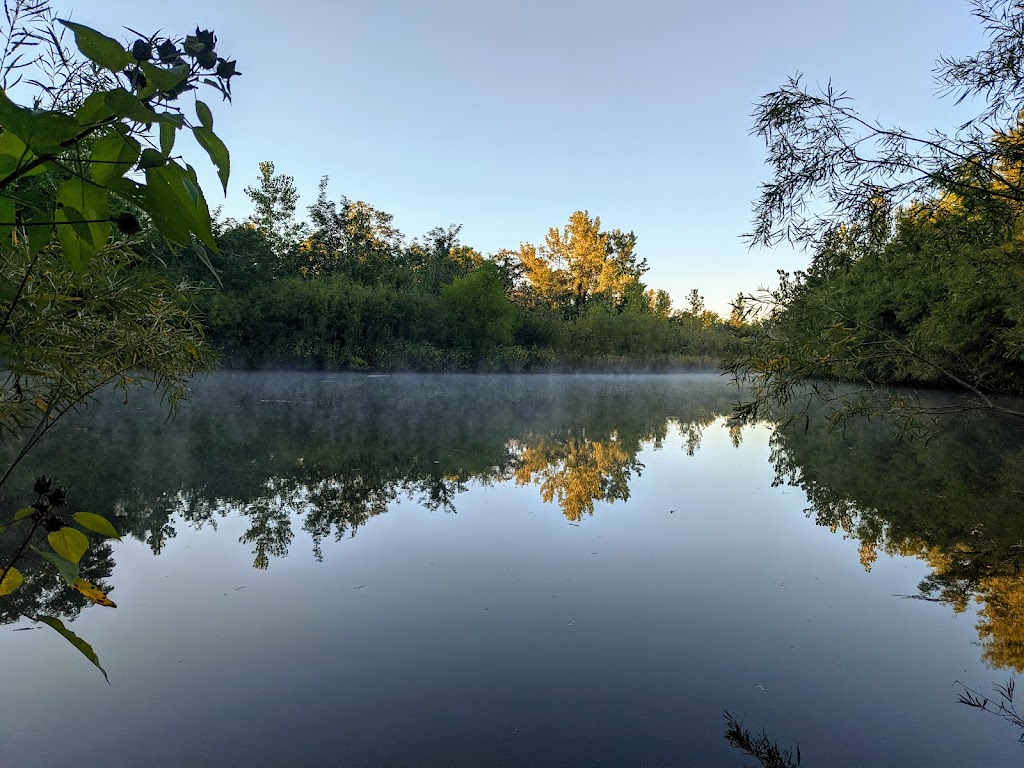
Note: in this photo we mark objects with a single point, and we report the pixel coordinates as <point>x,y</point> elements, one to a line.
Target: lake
<point>542,570</point>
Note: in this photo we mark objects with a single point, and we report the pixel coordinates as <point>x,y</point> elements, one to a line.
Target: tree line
<point>346,290</point>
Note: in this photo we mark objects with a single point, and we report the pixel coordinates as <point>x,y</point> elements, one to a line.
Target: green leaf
<point>8,210</point>
<point>199,251</point>
<point>69,543</point>
<point>127,189</point>
<point>217,151</point>
<point>204,114</point>
<point>42,131</point>
<point>71,222</point>
<point>75,640</point>
<point>103,50</point>
<point>78,250</point>
<point>127,106</point>
<point>11,581</point>
<point>171,118</point>
<point>151,159</point>
<point>13,152</point>
<point>163,79</point>
<point>96,523</point>
<point>113,156</point>
<point>69,571</point>
<point>167,135</point>
<point>48,131</point>
<point>164,207</point>
<point>177,206</point>
<point>24,512</point>
<point>92,203</point>
<point>203,229</point>
<point>94,109</point>
<point>40,230</point>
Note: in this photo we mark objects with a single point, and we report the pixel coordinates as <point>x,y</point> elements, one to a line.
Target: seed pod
<point>142,50</point>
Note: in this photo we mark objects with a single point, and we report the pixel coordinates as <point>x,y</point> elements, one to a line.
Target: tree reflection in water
<point>953,501</point>
<point>325,454</point>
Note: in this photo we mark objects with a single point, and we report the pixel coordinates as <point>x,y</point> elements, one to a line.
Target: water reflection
<point>954,501</point>
<point>44,592</point>
<point>329,454</point>
<point>326,455</point>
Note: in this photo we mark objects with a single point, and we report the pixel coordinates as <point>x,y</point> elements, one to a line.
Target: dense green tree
<point>349,237</point>
<point>273,216</point>
<point>480,315</point>
<point>915,241</point>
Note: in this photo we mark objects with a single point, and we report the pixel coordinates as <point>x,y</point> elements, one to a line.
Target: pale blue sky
<point>507,117</point>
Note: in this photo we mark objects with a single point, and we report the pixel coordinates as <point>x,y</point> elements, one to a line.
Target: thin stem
<point>20,552</point>
<point>17,296</point>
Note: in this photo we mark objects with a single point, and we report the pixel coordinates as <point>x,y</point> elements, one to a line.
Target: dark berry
<point>167,52</point>
<point>127,223</point>
<point>142,50</point>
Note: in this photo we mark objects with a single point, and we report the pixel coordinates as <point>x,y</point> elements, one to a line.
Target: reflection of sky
<point>501,634</point>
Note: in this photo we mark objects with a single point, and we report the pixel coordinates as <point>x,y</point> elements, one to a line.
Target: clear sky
<point>506,117</point>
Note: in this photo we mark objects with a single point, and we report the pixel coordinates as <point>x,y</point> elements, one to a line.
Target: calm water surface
<point>326,569</point>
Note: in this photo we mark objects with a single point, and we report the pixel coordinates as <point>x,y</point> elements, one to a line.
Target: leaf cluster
<point>53,539</point>
<point>82,169</point>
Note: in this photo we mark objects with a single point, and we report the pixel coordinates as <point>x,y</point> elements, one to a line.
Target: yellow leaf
<point>69,543</point>
<point>12,580</point>
<point>92,592</point>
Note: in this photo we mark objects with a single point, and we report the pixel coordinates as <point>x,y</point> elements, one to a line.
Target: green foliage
<point>79,309</point>
<point>927,306</point>
<point>90,521</point>
<point>479,315</point>
<point>916,264</point>
<point>274,216</point>
<point>11,580</point>
<point>348,293</point>
<point>94,152</point>
<point>50,524</point>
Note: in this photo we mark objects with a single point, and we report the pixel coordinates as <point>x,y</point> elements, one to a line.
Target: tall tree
<point>580,263</point>
<point>351,237</point>
<point>274,201</point>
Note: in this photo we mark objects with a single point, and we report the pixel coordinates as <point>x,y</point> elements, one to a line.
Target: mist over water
<point>521,570</point>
